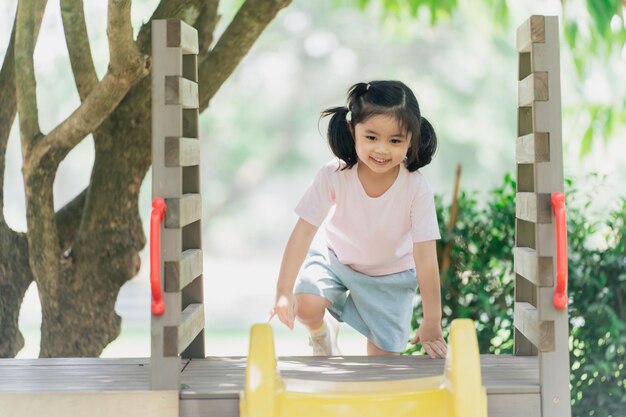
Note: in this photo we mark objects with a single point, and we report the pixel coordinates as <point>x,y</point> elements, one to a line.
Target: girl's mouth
<point>379,161</point>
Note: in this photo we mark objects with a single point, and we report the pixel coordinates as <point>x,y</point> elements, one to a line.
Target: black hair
<point>390,98</point>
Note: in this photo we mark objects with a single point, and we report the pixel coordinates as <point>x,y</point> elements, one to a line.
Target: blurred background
<point>262,141</point>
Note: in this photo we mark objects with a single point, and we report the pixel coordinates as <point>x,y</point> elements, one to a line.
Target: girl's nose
<point>381,148</point>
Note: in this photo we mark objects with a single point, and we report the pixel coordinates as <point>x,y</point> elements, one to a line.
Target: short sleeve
<point>424,225</point>
<point>318,198</point>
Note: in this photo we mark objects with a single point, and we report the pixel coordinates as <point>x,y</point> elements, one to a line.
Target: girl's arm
<point>427,269</point>
<point>295,252</point>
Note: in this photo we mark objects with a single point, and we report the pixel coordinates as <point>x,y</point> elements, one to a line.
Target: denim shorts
<point>378,307</point>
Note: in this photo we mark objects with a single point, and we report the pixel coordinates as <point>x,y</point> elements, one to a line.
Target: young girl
<point>382,231</point>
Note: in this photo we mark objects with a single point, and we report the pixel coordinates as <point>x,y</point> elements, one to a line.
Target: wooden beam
<point>539,333</point>
<point>536,269</point>
<point>533,207</point>
<point>181,91</point>
<point>179,274</point>
<point>532,88</point>
<point>177,338</point>
<point>182,152</point>
<point>183,211</point>
<point>532,30</point>
<point>532,148</point>
<point>92,404</point>
<point>181,35</point>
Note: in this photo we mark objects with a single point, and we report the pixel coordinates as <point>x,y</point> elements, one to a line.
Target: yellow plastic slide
<point>458,392</point>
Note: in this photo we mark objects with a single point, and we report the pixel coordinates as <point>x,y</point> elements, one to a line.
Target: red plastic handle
<point>560,292</point>
<point>158,213</point>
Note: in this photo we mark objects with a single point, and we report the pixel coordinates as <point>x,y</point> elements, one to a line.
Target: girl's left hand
<point>430,336</point>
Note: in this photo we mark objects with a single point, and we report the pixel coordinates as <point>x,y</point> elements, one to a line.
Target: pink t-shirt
<point>374,236</point>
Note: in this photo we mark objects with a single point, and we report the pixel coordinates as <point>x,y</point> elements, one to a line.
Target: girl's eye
<point>395,141</point>
<point>370,137</point>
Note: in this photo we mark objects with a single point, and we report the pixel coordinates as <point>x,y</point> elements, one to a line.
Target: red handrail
<point>560,292</point>
<point>158,212</point>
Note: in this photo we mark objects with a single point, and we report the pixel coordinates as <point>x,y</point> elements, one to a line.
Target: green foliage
<point>479,282</point>
<point>594,32</point>
<point>603,122</point>
<point>435,9</point>
<point>596,21</point>
<point>601,35</point>
<point>597,287</point>
<point>480,285</point>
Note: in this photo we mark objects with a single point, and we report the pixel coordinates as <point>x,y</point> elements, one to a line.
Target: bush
<point>479,284</point>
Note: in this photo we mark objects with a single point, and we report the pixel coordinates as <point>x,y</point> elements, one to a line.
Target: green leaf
<point>571,33</point>
<point>601,12</point>
<point>585,146</point>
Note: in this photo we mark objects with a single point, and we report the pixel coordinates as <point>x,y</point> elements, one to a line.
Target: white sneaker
<point>324,343</point>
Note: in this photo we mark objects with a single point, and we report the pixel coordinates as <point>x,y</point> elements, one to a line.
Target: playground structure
<point>179,380</point>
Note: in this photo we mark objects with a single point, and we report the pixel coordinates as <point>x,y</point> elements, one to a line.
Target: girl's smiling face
<point>381,145</point>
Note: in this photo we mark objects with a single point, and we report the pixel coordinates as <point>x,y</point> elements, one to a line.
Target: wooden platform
<point>211,386</point>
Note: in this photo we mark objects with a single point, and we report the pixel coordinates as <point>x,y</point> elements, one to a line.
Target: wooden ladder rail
<point>179,331</point>
<point>540,328</point>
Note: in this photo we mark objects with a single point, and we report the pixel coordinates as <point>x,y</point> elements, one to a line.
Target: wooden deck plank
<point>501,374</point>
<point>222,377</point>
<point>71,361</point>
<point>76,374</point>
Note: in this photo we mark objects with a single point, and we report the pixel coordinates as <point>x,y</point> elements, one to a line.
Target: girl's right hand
<point>285,308</point>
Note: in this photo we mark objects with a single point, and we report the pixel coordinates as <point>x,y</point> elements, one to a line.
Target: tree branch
<point>122,48</point>
<point>8,99</point>
<point>205,25</point>
<point>25,82</point>
<point>126,68</point>
<point>247,25</point>
<point>78,47</point>
<point>7,112</point>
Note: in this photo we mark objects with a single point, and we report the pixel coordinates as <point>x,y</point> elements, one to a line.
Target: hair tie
<point>348,115</point>
<point>367,88</point>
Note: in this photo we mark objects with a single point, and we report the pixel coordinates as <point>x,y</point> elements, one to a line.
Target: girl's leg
<point>311,309</point>
<point>373,350</point>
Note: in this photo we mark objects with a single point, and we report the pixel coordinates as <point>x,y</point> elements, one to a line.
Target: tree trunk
<point>15,277</point>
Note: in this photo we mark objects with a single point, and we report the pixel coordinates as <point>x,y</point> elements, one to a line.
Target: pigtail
<point>339,136</point>
<point>423,149</point>
<point>427,144</point>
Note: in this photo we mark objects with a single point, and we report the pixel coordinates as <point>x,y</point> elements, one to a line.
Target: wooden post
<point>540,328</point>
<point>176,178</point>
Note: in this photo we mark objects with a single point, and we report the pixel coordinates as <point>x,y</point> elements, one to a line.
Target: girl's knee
<point>311,305</point>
